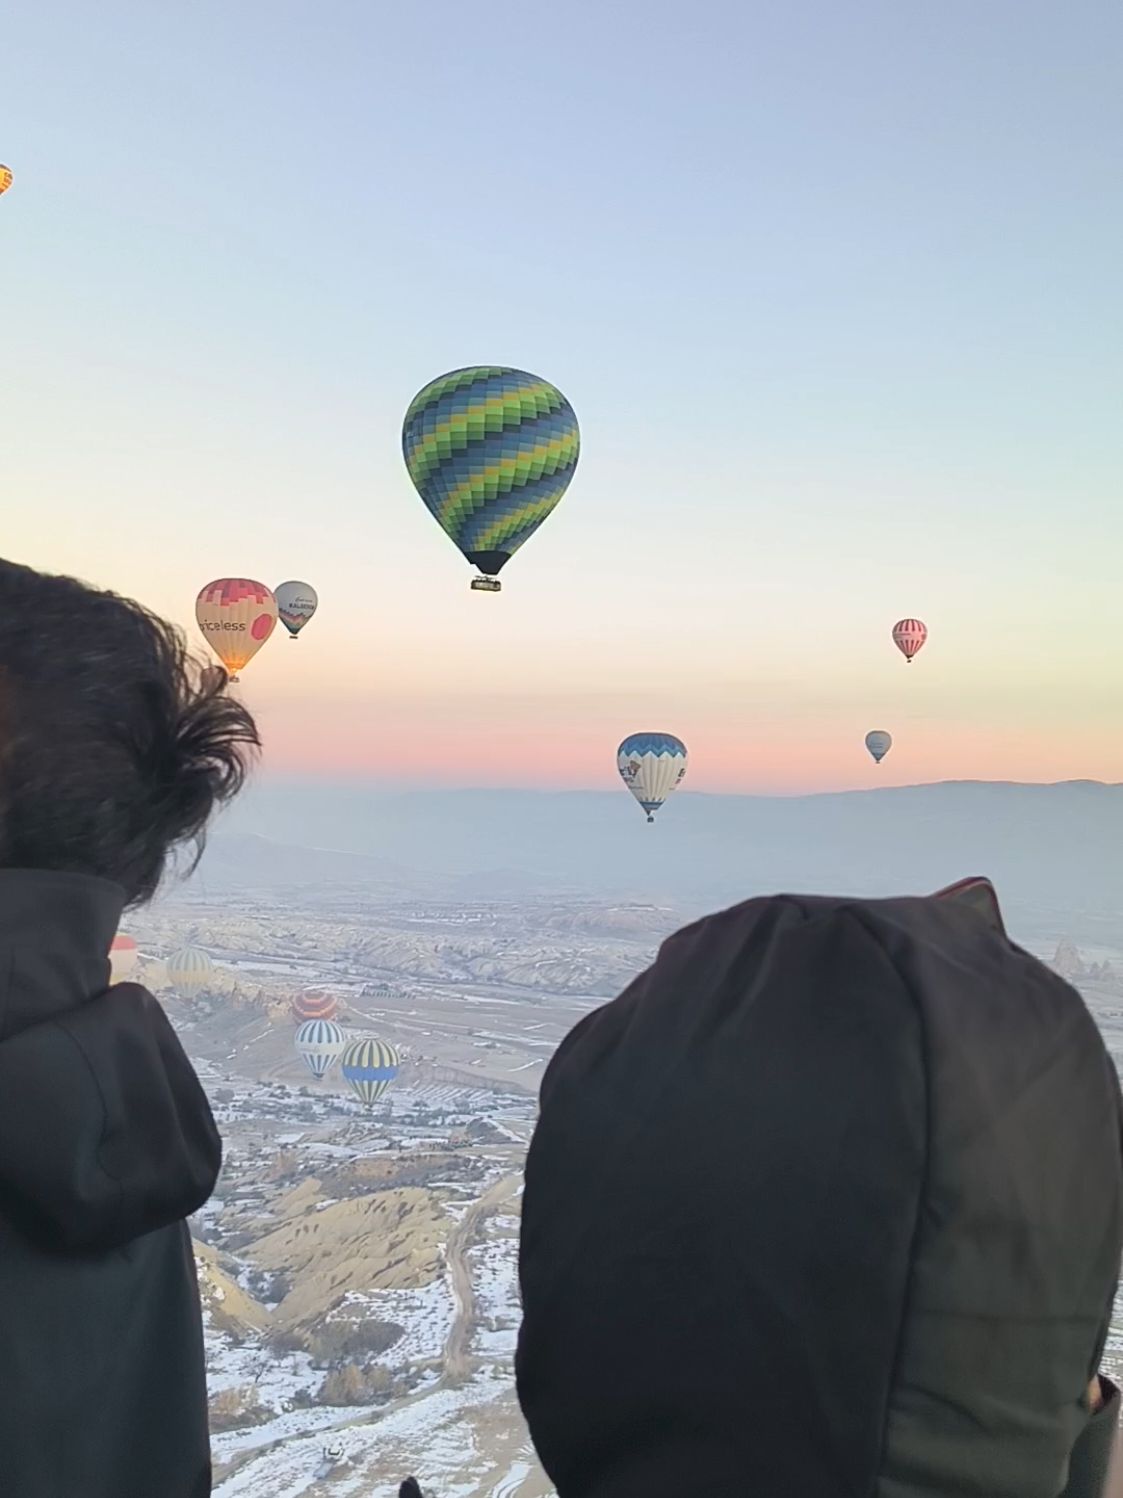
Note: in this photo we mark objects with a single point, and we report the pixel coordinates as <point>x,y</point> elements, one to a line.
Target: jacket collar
<point>55,934</point>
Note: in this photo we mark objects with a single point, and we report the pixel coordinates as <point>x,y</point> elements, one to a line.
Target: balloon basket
<point>486,585</point>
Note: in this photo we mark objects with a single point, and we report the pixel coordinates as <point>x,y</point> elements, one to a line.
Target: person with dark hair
<point>829,1201</point>
<point>115,748</point>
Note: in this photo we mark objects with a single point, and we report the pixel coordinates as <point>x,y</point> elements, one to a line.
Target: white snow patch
<point>426,1314</point>
<point>494,1269</point>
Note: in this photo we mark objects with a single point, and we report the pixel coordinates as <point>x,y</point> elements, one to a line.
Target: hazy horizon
<point>1047,847</point>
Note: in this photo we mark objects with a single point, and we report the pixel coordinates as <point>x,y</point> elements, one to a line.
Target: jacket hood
<point>828,1202</point>
<point>105,1131</point>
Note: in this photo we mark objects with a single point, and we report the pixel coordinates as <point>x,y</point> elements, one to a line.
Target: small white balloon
<point>879,744</point>
<point>296,603</point>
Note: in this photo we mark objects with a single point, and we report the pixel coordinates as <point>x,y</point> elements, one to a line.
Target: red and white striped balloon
<point>908,636</point>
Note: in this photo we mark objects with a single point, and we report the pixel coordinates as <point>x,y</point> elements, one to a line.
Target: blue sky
<point>833,289</point>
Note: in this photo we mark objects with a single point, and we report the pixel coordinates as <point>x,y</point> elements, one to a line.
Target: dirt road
<point>458,1359</point>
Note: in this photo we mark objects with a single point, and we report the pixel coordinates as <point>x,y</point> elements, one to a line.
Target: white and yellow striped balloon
<point>189,970</point>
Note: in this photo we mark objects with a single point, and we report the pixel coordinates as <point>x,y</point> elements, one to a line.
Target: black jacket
<point>827,1204</point>
<point>106,1144</point>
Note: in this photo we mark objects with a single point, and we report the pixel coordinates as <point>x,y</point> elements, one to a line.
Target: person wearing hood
<point>828,1203</point>
<point>114,748</point>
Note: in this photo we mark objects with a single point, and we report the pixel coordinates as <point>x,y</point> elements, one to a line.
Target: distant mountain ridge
<point>251,861</point>
<point>1049,848</point>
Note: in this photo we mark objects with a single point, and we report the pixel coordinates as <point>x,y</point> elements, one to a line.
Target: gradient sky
<point>834,290</point>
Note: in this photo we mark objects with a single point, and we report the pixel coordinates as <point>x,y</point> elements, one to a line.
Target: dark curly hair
<point>115,744</point>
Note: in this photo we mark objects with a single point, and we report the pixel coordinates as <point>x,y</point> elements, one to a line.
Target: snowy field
<point>435,1436</point>
<point>494,1269</point>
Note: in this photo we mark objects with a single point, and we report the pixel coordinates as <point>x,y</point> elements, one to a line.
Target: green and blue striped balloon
<point>491,451</point>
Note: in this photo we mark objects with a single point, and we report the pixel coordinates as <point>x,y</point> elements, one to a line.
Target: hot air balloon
<point>296,603</point>
<point>491,451</point>
<point>879,744</point>
<point>124,958</point>
<point>370,1066</point>
<point>320,1043</point>
<point>236,616</point>
<point>5,178</point>
<point>908,636</point>
<point>314,1005</point>
<point>189,970</point>
<point>651,765</point>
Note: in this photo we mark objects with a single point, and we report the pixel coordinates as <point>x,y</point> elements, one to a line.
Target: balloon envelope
<point>651,765</point>
<point>319,1043</point>
<point>124,958</point>
<point>5,178</point>
<point>296,603</point>
<point>314,1005</point>
<point>908,636</point>
<point>370,1066</point>
<point>491,451</point>
<point>236,616</point>
<point>189,970</point>
<point>879,744</point>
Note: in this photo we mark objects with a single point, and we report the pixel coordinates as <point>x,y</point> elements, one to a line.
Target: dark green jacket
<point>828,1204</point>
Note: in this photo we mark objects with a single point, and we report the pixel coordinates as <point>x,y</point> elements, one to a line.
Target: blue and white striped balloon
<point>320,1042</point>
<point>651,765</point>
